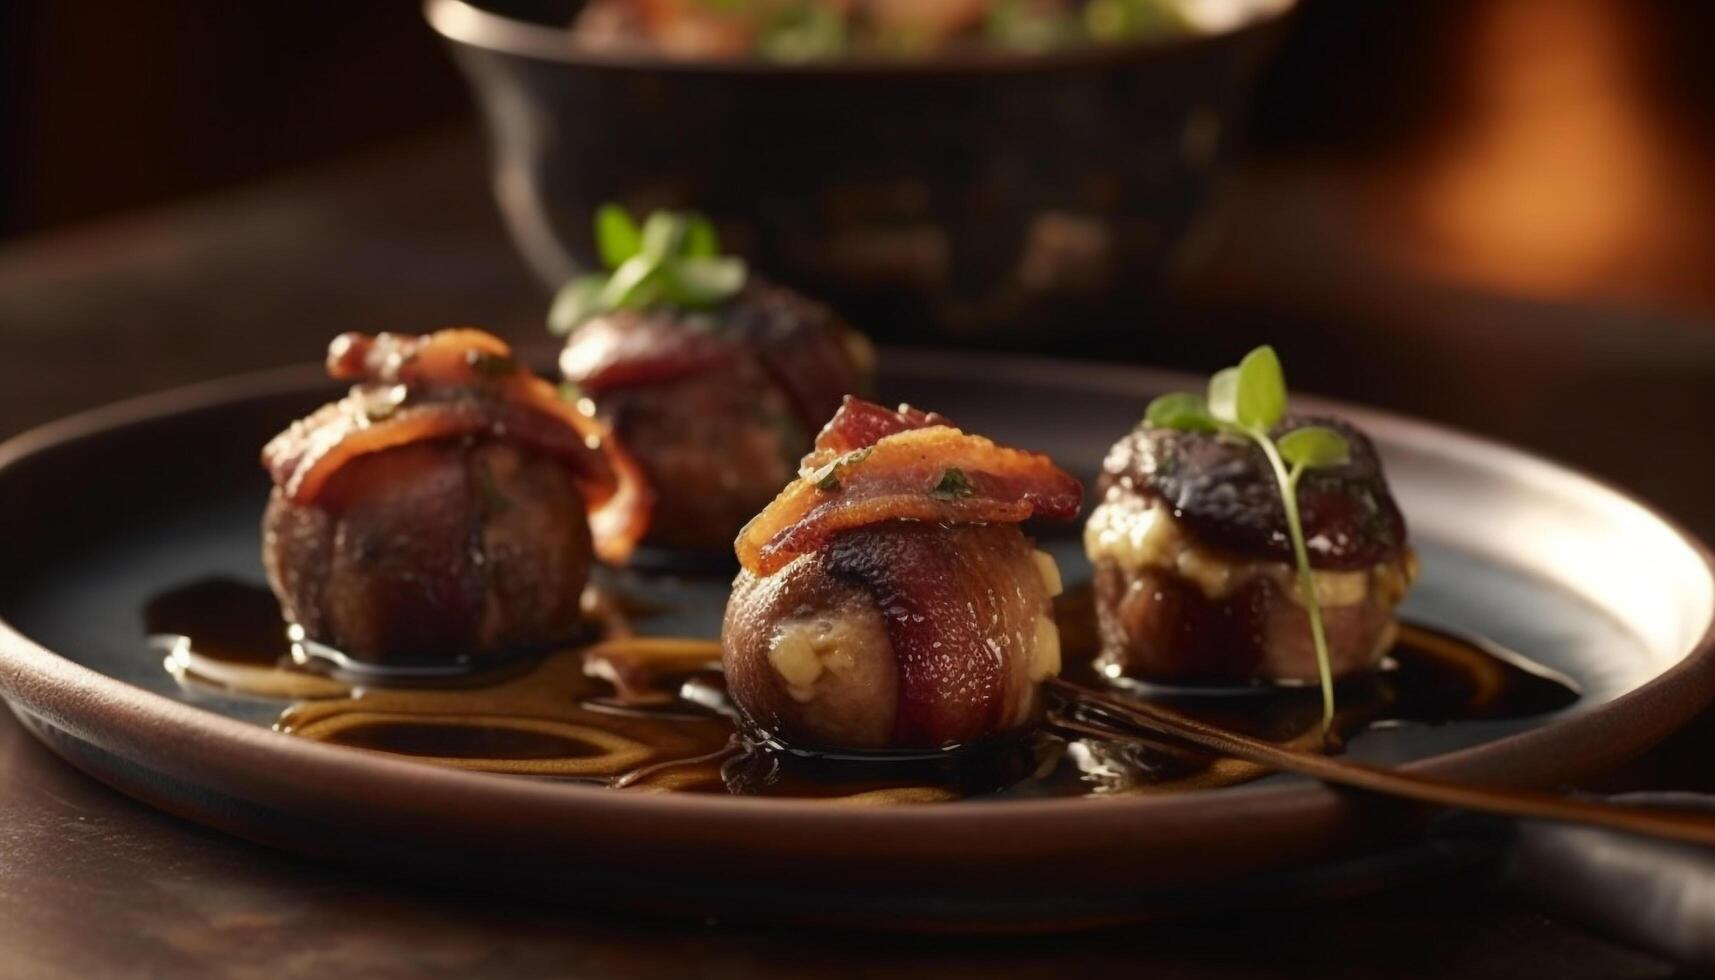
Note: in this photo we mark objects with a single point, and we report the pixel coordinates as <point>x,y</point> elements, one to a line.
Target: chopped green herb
<point>1248,401</point>
<point>826,478</point>
<point>673,260</point>
<point>953,485</point>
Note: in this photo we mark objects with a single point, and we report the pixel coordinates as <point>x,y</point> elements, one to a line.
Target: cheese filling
<point>1138,533</point>
<point>805,651</point>
<point>1049,571</point>
<point>802,650</point>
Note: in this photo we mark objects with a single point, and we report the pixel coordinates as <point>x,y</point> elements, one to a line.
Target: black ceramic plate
<point>108,509</point>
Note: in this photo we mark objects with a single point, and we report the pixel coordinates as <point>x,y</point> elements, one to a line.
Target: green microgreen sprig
<point>1248,401</point>
<point>672,260</point>
<point>829,476</point>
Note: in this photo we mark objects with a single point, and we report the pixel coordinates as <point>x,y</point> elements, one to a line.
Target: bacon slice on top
<point>448,384</point>
<point>872,465</point>
<point>800,345</point>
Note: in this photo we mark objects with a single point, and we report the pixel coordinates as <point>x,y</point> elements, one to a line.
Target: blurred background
<point>1545,147</point>
<point>1495,213</point>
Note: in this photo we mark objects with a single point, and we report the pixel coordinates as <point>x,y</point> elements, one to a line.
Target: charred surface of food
<point>1193,574</point>
<point>896,635</point>
<point>1222,491</point>
<point>444,507</point>
<point>888,601</point>
<point>717,405</point>
<point>872,465</point>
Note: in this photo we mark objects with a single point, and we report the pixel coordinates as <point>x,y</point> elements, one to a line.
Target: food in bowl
<point>800,30</point>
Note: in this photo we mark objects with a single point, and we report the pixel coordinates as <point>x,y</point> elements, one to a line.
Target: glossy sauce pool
<point>652,713</point>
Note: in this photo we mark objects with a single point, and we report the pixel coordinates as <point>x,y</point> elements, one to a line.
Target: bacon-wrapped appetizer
<point>445,506</point>
<point>1194,550</point>
<point>888,600</point>
<point>714,391</point>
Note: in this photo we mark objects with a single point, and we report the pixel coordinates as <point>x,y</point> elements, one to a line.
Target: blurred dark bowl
<point>1008,198</point>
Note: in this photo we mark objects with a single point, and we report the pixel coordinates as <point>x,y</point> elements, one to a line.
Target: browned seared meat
<point>888,600</point>
<point>718,406</point>
<point>444,507</point>
<point>1193,566</point>
<point>435,548</point>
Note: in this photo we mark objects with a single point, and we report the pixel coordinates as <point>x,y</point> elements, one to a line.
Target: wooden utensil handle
<point>1645,821</point>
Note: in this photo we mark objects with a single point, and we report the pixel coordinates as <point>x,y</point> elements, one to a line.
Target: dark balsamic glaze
<point>231,621</point>
<point>667,725</point>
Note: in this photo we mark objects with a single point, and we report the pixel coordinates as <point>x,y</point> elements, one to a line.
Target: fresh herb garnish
<point>673,260</point>
<point>804,33</point>
<point>953,485</point>
<point>826,478</point>
<point>1248,401</point>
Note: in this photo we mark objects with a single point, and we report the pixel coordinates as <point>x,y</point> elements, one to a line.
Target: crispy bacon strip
<point>871,465</point>
<point>453,357</point>
<point>620,352</point>
<point>448,384</point>
<point>859,424</point>
<point>803,348</point>
<point>955,594</point>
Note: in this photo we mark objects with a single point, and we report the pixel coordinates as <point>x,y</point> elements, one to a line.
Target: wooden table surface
<point>92,884</point>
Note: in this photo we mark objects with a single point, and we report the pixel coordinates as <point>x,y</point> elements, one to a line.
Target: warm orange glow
<point>1556,179</point>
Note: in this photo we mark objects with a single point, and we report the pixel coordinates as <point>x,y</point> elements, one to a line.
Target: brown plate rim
<point>252,762</point>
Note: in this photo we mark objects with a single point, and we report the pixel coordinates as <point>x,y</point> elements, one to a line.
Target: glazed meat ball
<point>434,549</point>
<point>888,601</point>
<point>717,406</point>
<point>439,511</point>
<point>716,447</point>
<point>1194,579</point>
<point>847,647</point>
